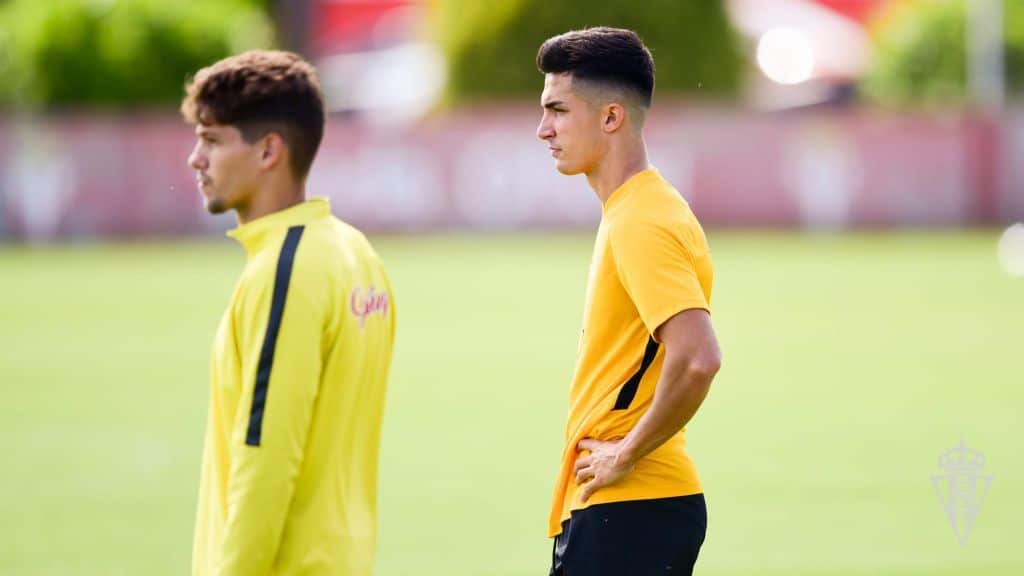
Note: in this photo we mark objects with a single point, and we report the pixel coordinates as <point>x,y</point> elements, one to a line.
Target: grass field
<point>851,363</point>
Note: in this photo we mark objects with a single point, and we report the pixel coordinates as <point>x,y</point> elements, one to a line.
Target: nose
<point>544,129</point>
<point>196,160</point>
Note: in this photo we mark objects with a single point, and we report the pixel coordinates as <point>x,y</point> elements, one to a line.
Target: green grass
<point>851,363</point>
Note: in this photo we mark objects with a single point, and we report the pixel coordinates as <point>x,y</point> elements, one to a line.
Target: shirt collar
<point>254,234</point>
<point>624,189</point>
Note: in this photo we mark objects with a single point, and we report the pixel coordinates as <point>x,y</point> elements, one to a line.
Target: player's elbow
<point>704,366</point>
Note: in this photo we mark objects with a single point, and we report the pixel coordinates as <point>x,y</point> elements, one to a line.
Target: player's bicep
<point>282,378</point>
<point>689,336</point>
<point>287,379</point>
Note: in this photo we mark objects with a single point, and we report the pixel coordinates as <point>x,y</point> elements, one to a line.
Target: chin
<point>215,207</point>
<point>567,170</point>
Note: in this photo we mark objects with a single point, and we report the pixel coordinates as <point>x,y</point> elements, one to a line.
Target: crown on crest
<point>962,459</point>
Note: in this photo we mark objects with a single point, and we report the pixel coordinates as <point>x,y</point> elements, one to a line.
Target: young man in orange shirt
<point>628,499</point>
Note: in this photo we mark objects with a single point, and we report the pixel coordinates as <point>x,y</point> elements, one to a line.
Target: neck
<point>619,164</point>
<point>271,198</point>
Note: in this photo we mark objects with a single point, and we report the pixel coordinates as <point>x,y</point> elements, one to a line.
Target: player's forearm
<point>258,503</point>
<point>681,389</point>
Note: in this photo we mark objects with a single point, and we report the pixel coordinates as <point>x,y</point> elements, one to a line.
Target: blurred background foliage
<point>920,52</point>
<point>490,47</point>
<point>117,53</point>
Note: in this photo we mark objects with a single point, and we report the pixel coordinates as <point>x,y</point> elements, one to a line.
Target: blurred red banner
<point>858,10</point>
<point>67,177</point>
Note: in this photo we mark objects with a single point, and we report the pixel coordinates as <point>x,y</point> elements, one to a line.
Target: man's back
<point>299,371</point>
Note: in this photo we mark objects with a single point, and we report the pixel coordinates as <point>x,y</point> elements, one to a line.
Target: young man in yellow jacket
<point>301,357</point>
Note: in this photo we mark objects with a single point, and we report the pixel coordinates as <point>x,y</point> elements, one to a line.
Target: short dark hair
<point>259,92</point>
<point>604,55</point>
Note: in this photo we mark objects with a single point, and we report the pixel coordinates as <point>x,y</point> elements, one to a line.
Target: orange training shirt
<point>651,261</point>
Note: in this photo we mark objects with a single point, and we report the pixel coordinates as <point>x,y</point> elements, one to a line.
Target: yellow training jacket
<point>300,362</point>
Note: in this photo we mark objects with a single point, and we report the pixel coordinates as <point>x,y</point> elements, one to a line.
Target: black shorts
<point>635,538</point>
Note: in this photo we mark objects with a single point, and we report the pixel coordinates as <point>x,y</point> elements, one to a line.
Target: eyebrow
<point>553,104</point>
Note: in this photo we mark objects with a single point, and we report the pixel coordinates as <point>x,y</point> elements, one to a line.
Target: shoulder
<point>337,255</point>
<point>654,210</point>
<point>324,244</point>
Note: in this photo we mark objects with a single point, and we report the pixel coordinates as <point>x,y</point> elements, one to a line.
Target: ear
<point>613,116</point>
<point>272,150</point>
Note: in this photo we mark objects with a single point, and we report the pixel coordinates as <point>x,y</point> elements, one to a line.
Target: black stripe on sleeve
<point>628,390</point>
<point>281,280</point>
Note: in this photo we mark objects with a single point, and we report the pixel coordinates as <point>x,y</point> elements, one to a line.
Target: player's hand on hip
<point>604,466</point>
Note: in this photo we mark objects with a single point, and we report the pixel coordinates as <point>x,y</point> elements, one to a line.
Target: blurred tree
<point>920,52</point>
<point>491,47</point>
<point>105,53</point>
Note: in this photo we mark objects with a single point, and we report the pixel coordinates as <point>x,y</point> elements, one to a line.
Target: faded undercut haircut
<point>259,92</point>
<point>602,57</point>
